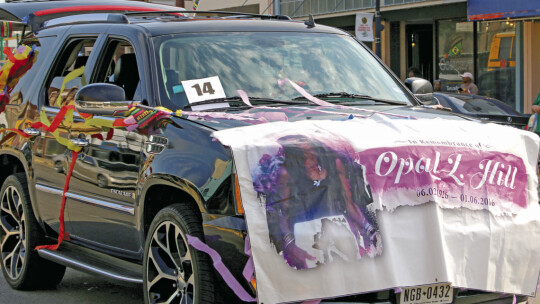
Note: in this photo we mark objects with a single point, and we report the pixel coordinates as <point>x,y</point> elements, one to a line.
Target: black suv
<point>135,194</point>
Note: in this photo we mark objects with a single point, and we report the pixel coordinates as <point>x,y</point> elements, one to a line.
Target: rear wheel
<point>173,271</point>
<point>20,233</point>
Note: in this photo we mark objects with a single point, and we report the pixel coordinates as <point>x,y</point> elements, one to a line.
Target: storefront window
<point>455,52</point>
<point>496,60</point>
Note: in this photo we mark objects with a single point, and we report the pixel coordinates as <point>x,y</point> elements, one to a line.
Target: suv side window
<point>119,66</point>
<point>68,74</point>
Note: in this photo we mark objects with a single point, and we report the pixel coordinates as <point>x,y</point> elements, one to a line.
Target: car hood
<point>239,118</point>
<point>514,120</point>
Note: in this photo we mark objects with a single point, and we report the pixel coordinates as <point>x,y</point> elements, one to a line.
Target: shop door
<point>420,49</point>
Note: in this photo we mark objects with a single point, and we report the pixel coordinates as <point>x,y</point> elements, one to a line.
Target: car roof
<point>157,27</point>
<point>144,14</point>
<point>17,11</point>
<point>466,97</point>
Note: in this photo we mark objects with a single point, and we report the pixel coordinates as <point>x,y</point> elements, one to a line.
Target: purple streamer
<point>247,118</point>
<point>225,273</point>
<point>397,290</point>
<point>249,269</point>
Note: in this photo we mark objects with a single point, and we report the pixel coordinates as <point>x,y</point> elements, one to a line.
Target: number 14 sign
<point>203,89</point>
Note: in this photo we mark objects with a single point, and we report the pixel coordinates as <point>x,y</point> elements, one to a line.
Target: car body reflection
<point>108,168</point>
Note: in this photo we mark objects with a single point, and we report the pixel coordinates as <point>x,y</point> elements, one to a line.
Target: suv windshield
<point>253,62</point>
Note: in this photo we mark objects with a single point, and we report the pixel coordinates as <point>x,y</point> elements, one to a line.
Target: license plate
<point>427,294</point>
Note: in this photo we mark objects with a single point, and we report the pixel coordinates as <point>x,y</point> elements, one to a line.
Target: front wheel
<point>102,181</point>
<point>173,271</point>
<point>58,167</point>
<point>20,233</point>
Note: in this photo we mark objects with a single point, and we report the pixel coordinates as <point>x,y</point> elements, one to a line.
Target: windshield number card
<point>427,294</point>
<point>203,89</point>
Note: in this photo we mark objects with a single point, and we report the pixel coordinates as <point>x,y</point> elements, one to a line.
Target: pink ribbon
<point>244,96</point>
<point>304,93</point>
<point>323,103</point>
<point>225,273</point>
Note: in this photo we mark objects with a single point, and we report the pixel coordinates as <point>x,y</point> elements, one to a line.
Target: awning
<point>489,9</point>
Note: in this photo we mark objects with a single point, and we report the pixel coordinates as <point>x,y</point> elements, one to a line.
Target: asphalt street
<point>81,288</point>
<point>76,288</point>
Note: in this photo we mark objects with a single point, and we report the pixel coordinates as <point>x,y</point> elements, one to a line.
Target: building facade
<point>499,44</point>
<point>246,6</point>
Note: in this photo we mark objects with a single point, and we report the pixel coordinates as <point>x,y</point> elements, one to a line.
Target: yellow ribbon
<point>9,64</point>
<point>70,76</point>
<point>61,140</point>
<point>177,113</point>
<point>99,122</point>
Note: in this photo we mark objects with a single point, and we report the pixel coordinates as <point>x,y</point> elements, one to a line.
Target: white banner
<point>345,207</point>
<point>364,26</point>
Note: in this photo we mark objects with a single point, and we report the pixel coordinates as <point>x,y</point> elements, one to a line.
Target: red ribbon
<point>62,234</point>
<point>110,134</point>
<point>56,122</point>
<point>9,54</point>
<point>21,133</point>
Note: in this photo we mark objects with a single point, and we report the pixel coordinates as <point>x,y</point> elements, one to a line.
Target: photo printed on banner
<point>317,201</point>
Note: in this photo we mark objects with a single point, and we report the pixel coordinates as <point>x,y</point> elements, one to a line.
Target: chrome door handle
<point>79,142</point>
<point>32,131</point>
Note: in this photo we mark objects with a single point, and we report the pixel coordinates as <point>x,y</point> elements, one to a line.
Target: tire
<point>20,233</point>
<point>102,181</point>
<point>172,269</point>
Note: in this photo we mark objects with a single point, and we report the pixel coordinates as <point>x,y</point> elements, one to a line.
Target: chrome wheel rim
<point>12,233</point>
<point>169,270</point>
<point>102,181</point>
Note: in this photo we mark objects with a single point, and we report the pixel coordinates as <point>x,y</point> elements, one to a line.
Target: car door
<point>65,77</point>
<point>107,168</point>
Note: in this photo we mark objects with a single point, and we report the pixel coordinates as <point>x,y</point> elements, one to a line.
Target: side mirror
<point>101,99</point>
<point>421,88</point>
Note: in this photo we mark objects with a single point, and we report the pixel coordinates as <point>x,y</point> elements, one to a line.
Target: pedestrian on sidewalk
<point>468,87</point>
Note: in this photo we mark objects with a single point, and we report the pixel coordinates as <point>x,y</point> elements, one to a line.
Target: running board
<point>93,262</point>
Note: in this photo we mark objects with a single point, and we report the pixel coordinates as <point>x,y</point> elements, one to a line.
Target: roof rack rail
<point>84,19</point>
<point>232,14</point>
<point>36,19</point>
<point>37,22</point>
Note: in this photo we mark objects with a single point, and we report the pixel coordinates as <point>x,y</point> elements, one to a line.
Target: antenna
<point>310,22</point>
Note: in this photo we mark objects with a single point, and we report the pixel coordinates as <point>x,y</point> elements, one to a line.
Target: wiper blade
<point>338,95</point>
<point>270,100</point>
<point>239,99</point>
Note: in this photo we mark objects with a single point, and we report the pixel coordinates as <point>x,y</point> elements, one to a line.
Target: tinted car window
<point>253,62</point>
<point>470,105</point>
<point>118,65</point>
<point>69,72</point>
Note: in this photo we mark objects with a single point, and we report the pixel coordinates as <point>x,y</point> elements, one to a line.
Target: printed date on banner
<point>427,294</point>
